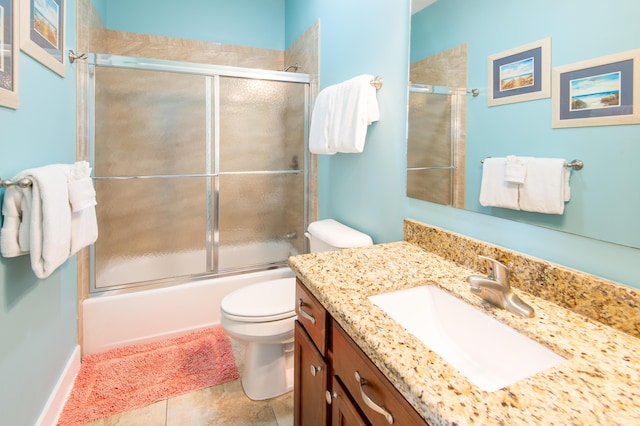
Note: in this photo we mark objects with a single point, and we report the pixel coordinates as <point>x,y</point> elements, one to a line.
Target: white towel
<point>50,217</point>
<point>356,107</point>
<point>494,190</point>
<point>516,169</point>
<point>12,209</point>
<point>39,219</point>
<point>547,186</point>
<point>341,115</point>
<point>82,199</point>
<point>320,118</point>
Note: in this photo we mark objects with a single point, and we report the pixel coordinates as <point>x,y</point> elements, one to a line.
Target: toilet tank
<point>328,234</point>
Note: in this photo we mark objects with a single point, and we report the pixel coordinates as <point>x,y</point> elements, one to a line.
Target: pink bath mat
<point>131,377</point>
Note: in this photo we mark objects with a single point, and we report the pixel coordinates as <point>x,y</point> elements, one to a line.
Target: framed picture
<point>9,53</point>
<point>597,92</point>
<point>520,74</point>
<point>42,32</point>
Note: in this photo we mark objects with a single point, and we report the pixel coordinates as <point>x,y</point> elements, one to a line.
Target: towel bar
<point>22,183</point>
<point>575,164</point>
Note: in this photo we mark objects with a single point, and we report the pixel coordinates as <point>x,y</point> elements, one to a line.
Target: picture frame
<point>9,53</point>
<point>42,32</point>
<point>520,74</point>
<point>598,92</point>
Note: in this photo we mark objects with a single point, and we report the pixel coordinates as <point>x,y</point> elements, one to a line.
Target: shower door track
<point>212,74</point>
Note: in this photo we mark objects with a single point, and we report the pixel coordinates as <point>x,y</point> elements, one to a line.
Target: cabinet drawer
<point>373,389</point>
<point>312,316</point>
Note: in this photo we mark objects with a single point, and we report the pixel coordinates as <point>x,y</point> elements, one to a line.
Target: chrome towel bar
<point>574,164</point>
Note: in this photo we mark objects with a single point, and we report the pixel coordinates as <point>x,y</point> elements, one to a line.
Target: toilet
<point>262,317</point>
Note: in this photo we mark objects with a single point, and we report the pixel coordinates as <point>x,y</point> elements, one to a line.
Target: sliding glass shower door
<point>199,170</point>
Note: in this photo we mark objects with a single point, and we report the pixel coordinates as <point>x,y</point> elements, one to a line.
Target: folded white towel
<point>12,210</point>
<point>50,221</point>
<point>82,198</point>
<point>516,169</point>
<point>81,192</point>
<point>341,115</point>
<point>494,190</point>
<point>39,219</point>
<point>547,186</point>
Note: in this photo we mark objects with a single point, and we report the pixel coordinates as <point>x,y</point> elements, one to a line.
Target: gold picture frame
<point>42,32</point>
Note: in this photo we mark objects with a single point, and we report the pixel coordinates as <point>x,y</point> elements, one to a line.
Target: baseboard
<point>62,390</point>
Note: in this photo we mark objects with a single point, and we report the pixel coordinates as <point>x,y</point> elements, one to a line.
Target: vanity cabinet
<point>335,382</point>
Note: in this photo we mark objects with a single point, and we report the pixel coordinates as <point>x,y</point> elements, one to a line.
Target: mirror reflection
<point>437,128</point>
<point>450,46</point>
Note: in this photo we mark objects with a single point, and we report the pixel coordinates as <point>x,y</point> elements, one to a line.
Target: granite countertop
<point>598,384</point>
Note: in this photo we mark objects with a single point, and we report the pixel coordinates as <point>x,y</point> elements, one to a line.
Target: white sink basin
<point>490,354</point>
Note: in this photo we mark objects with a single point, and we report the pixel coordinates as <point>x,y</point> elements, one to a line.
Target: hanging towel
<point>13,209</point>
<point>494,190</point>
<point>547,186</point>
<point>356,107</point>
<point>341,115</point>
<point>39,219</point>
<point>320,118</point>
<point>50,217</point>
<point>82,200</point>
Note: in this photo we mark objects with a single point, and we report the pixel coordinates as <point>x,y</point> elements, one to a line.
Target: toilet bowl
<point>262,317</point>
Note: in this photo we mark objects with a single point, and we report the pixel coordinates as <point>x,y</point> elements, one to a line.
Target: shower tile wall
<point>448,68</point>
<point>305,52</point>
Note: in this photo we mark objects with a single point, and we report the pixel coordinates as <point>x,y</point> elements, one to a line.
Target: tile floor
<point>224,404</point>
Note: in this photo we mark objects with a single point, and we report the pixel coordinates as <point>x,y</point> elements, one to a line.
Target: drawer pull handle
<point>375,407</point>
<point>304,314</point>
<point>314,370</point>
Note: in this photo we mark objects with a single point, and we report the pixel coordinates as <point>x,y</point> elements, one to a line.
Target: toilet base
<point>268,370</point>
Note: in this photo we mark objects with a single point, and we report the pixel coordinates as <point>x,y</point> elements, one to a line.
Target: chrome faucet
<point>495,289</point>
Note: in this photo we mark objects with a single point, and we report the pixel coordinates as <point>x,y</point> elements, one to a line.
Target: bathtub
<point>145,316</point>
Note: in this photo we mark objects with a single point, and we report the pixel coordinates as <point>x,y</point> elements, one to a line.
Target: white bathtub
<point>123,319</point>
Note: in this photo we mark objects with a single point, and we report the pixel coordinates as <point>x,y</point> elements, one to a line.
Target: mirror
<point>450,46</point>
<point>436,131</point>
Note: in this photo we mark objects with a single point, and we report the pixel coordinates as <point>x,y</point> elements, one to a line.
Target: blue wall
<point>356,37</point>
<point>38,318</point>
<point>603,203</point>
<point>255,23</point>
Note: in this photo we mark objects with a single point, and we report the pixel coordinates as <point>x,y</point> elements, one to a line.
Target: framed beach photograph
<point>9,53</point>
<point>598,92</point>
<point>520,74</point>
<point>42,32</point>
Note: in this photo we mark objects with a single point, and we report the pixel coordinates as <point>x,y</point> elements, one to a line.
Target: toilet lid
<point>260,302</point>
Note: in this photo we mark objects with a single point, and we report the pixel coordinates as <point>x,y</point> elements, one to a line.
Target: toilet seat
<point>261,302</point>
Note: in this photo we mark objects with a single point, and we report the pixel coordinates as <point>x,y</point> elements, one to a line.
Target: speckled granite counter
<point>597,385</point>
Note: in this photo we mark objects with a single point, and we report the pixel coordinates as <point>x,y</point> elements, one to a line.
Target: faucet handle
<point>498,271</point>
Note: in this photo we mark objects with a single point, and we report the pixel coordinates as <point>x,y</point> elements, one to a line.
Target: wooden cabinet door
<point>380,402</point>
<point>310,382</point>
<point>343,410</point>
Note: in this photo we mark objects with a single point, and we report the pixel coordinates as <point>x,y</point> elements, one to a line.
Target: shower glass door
<point>197,173</point>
